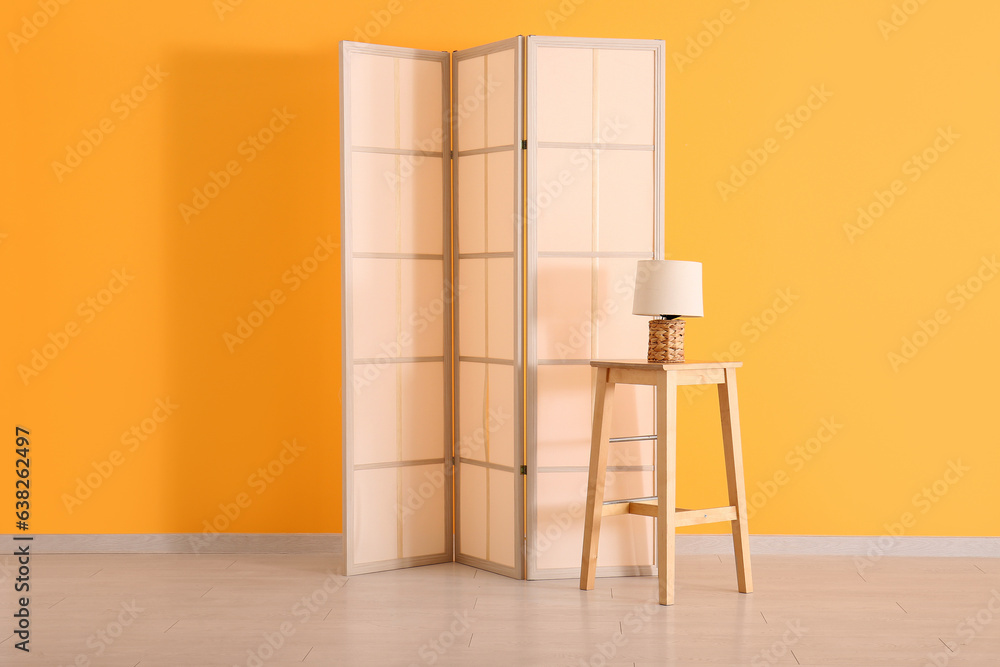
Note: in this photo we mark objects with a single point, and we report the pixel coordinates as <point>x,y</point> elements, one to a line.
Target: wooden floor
<point>280,610</point>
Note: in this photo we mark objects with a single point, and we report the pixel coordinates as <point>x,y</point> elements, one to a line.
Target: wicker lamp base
<point>666,341</point>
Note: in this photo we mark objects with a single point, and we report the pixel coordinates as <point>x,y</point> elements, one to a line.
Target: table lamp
<point>667,289</point>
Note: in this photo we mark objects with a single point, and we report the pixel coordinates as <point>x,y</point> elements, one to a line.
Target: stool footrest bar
<point>632,438</point>
<point>713,515</point>
<point>628,500</point>
<point>682,517</point>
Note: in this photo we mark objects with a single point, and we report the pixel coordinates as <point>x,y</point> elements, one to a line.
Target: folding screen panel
<point>594,207</point>
<point>396,199</point>
<point>489,378</point>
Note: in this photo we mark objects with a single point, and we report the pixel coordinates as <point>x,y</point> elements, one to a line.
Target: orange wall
<point>152,293</point>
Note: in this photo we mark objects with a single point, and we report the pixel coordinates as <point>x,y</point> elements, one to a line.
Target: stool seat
<point>666,377</point>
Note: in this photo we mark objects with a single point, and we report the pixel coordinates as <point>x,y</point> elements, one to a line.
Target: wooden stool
<point>666,378</point>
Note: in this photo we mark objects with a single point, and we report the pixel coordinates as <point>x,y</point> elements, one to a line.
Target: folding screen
<point>542,282</point>
<point>594,207</point>
<point>395,184</point>
<point>489,376</point>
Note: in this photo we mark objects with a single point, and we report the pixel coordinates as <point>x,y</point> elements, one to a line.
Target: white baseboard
<point>844,545</point>
<point>190,543</point>
<point>332,543</point>
<point>811,545</point>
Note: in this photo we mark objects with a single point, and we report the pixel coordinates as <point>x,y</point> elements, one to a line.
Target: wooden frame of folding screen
<point>533,302</point>
<point>595,124</point>
<point>396,253</point>
<point>487,120</point>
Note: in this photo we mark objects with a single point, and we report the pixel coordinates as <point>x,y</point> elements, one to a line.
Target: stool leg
<point>599,445</point>
<point>666,482</point>
<point>730,411</point>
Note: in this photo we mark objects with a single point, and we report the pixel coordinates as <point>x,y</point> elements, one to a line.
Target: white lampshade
<point>668,287</point>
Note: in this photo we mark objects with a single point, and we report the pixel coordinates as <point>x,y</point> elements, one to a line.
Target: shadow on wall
<point>251,235</point>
